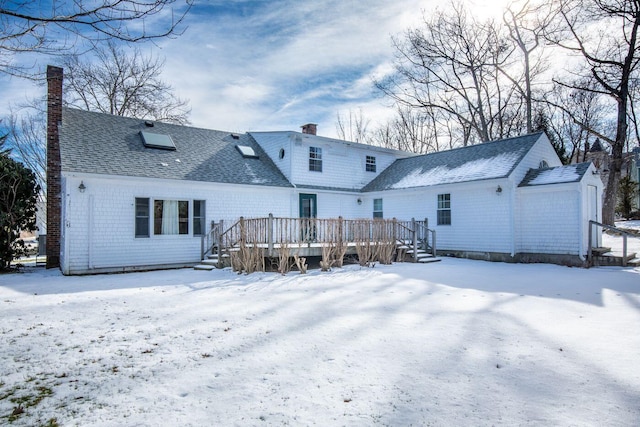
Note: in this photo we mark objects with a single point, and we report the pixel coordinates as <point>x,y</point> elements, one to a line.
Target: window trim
<point>182,219</point>
<point>315,159</point>
<point>378,213</point>
<point>444,209</point>
<point>202,217</point>
<point>370,164</point>
<point>136,233</point>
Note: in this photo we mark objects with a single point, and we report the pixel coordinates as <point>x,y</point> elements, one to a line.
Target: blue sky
<point>276,65</point>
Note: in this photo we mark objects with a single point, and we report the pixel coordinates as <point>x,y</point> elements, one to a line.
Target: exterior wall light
<point>499,190</point>
<point>82,187</point>
<point>359,201</point>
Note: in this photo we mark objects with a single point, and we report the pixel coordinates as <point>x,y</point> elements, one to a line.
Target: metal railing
<point>607,227</point>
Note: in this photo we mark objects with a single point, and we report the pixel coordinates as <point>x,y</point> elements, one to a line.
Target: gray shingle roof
<point>106,144</point>
<point>489,160</point>
<point>556,175</point>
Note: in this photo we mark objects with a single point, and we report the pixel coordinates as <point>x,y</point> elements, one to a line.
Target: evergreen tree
<point>18,195</point>
<point>627,190</point>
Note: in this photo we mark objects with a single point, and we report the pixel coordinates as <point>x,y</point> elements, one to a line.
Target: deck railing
<point>272,232</point>
<point>250,239</point>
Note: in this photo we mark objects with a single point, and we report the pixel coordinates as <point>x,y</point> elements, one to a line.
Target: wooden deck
<point>248,244</point>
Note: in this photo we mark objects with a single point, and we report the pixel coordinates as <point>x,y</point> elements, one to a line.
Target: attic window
<point>247,152</point>
<point>543,164</point>
<point>156,140</point>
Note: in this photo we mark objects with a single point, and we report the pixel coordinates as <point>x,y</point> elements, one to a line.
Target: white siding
<point>549,219</point>
<point>100,223</point>
<point>272,143</point>
<point>480,218</point>
<point>541,150</point>
<point>343,162</point>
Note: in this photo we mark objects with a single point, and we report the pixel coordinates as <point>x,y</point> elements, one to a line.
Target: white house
<point>136,194</point>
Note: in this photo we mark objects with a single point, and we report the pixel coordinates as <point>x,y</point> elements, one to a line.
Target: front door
<point>308,211</point>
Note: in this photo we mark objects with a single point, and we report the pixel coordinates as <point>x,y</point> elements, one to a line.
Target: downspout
<point>580,222</point>
<point>514,188</point>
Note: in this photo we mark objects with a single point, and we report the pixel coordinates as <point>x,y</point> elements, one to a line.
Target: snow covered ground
<point>458,342</point>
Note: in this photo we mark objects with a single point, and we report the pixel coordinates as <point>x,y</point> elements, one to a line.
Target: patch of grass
<point>24,396</point>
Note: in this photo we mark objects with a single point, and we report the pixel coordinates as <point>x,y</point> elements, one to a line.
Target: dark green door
<point>308,211</point>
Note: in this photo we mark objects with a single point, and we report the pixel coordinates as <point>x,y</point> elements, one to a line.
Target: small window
<point>315,159</point>
<point>444,209</point>
<point>377,208</point>
<point>371,164</point>
<point>281,154</point>
<point>199,222</point>
<point>543,164</point>
<point>170,217</point>
<point>142,217</point>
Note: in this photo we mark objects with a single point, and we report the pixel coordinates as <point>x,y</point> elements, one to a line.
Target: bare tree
<point>526,26</point>
<point>25,131</point>
<point>28,26</point>
<point>354,127</point>
<point>574,112</point>
<point>604,33</point>
<point>124,84</point>
<point>451,65</point>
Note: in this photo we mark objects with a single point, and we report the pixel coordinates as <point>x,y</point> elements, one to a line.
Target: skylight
<point>247,152</point>
<point>156,140</point>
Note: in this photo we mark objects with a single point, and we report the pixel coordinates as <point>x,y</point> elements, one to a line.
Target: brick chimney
<point>54,196</point>
<point>310,128</point>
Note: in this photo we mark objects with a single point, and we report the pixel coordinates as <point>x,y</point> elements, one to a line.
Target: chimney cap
<point>309,128</point>
<point>54,72</point>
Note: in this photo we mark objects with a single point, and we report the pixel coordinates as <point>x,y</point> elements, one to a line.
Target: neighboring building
<point>136,194</point>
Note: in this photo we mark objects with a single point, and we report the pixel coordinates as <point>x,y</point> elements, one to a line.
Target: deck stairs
<point>605,257</point>
<point>212,261</point>
<point>405,252</point>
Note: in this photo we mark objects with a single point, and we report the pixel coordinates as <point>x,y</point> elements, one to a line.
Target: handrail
<point>209,240</point>
<point>608,227</point>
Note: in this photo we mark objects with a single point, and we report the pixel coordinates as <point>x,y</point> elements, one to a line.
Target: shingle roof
<point>489,160</point>
<point>112,145</point>
<point>556,175</point>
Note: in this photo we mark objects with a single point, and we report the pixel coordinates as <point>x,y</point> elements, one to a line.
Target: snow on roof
<point>473,170</point>
<point>556,175</point>
<point>489,160</point>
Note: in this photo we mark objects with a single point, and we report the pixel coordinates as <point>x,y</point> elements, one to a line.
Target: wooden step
<point>207,267</point>
<point>428,260</point>
<point>600,251</point>
<point>210,261</point>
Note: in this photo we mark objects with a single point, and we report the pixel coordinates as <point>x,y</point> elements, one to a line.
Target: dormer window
<point>315,159</point>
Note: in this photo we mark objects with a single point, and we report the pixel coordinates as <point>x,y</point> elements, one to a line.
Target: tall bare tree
<point>451,65</point>
<point>122,83</point>
<point>525,25</point>
<point>604,33</point>
<point>58,27</point>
